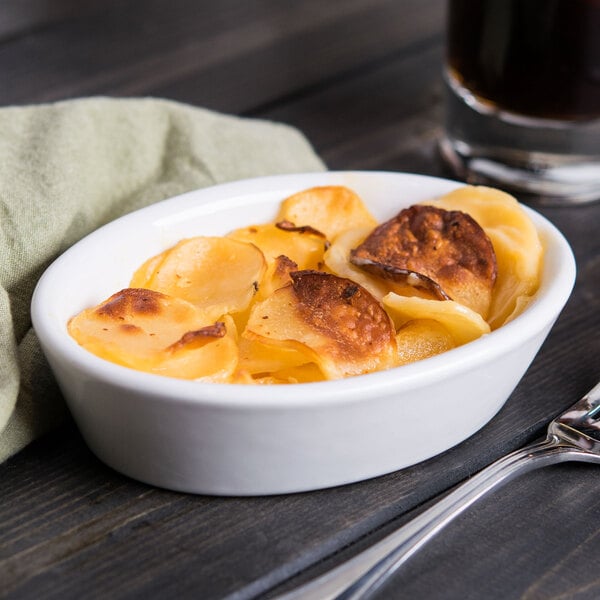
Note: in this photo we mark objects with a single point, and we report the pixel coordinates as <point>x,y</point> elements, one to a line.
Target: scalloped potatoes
<point>323,291</point>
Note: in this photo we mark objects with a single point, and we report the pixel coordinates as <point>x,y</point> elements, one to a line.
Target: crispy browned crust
<point>444,252</point>
<point>343,311</point>
<point>200,337</point>
<point>130,302</point>
<point>284,265</point>
<point>292,227</point>
<point>289,226</point>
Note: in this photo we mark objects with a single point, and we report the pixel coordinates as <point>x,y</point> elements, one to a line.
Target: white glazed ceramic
<point>249,440</point>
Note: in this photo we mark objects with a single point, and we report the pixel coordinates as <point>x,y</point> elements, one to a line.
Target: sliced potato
<point>463,324</point>
<point>144,274</point>
<point>337,259</point>
<point>217,274</point>
<point>329,209</point>
<point>257,356</point>
<point>332,321</point>
<point>422,338</point>
<point>150,331</point>
<point>213,359</point>
<point>516,244</point>
<point>277,275</point>
<point>323,292</point>
<point>302,246</point>
<point>445,253</point>
<point>306,373</point>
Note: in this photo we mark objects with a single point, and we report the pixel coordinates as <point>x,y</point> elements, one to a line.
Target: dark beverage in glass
<point>523,87</point>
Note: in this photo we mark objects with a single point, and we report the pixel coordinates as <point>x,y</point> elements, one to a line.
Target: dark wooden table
<point>362,79</point>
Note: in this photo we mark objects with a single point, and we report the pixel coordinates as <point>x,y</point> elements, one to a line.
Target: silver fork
<point>574,435</point>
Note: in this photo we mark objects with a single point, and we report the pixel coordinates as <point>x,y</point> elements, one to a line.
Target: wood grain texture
<point>362,79</point>
<point>232,55</point>
<point>19,18</point>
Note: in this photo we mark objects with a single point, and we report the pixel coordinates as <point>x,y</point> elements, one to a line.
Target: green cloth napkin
<point>69,167</point>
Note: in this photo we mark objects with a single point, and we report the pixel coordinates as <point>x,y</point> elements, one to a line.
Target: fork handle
<point>363,574</point>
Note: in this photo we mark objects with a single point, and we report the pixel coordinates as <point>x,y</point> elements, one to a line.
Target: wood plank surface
<point>362,79</point>
<point>232,56</point>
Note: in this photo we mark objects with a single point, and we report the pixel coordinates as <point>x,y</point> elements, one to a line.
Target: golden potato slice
<point>149,331</point>
<point>307,373</point>
<point>337,260</point>
<point>277,275</point>
<point>329,209</point>
<point>516,244</point>
<point>301,245</point>
<point>421,339</point>
<point>208,355</point>
<point>334,322</point>
<point>463,324</point>
<point>217,274</point>
<point>144,274</point>
<point>443,252</point>
<point>260,357</point>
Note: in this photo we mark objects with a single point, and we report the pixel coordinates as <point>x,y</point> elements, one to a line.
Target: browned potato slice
<point>217,274</point>
<point>335,322</point>
<point>329,209</point>
<point>444,252</point>
<point>302,229</point>
<point>516,243</point>
<point>337,261</point>
<point>149,331</point>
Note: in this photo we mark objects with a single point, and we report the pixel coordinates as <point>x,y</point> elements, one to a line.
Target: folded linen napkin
<point>69,167</point>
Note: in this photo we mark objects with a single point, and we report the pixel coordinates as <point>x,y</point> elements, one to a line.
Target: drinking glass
<point>522,82</point>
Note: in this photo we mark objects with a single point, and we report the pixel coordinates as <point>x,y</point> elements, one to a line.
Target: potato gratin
<point>323,291</point>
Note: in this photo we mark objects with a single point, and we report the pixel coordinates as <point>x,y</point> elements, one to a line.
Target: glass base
<point>544,179</point>
<point>541,161</point>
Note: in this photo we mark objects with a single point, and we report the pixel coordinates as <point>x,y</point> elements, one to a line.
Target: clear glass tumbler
<point>523,96</point>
